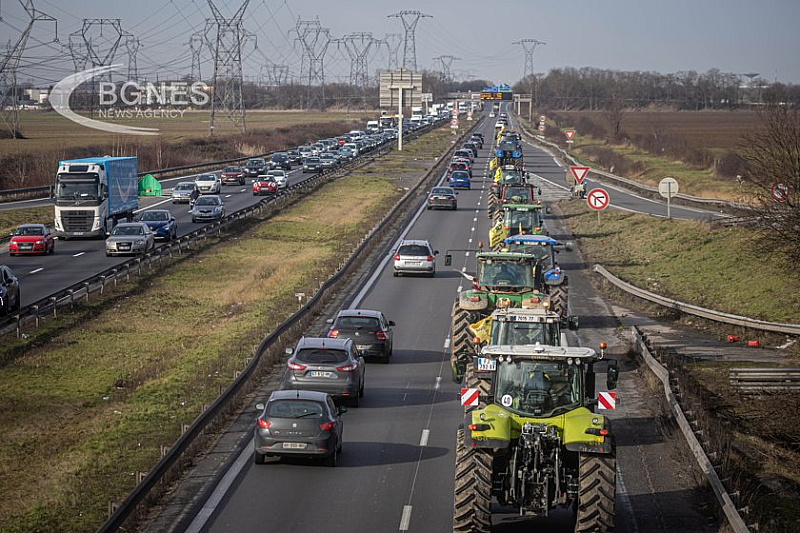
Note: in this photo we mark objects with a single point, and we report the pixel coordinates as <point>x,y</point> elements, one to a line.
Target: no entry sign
<point>597,199</point>
<point>606,400</point>
<point>469,397</point>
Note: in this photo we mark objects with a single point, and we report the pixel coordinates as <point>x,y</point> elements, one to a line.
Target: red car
<point>232,175</point>
<point>264,186</point>
<point>32,239</point>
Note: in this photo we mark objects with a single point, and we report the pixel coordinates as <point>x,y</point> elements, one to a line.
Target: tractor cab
<point>516,219</point>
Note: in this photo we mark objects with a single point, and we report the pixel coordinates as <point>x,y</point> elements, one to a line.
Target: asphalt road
<point>396,472</point>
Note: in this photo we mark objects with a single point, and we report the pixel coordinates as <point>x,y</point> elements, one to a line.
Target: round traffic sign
<point>597,199</point>
<point>668,187</point>
<point>541,127</point>
<point>780,192</point>
<point>542,118</point>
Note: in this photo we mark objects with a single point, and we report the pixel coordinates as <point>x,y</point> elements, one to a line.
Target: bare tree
<point>614,112</point>
<point>771,180</point>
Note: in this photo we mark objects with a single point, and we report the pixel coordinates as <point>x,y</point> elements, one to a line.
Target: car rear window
<point>295,409</point>
<point>321,355</point>
<point>413,249</point>
<point>442,191</point>
<point>357,322</point>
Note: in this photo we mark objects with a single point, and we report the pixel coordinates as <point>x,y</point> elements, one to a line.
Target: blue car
<point>161,223</point>
<point>459,179</point>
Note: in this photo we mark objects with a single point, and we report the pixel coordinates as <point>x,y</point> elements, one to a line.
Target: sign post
<point>598,200</point>
<point>668,187</point>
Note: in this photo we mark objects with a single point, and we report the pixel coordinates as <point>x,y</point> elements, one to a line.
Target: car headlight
<point>140,241</point>
<point>39,242</point>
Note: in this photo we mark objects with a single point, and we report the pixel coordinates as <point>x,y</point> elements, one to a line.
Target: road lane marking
<point>228,195</point>
<point>447,343</point>
<point>475,219</point>
<point>423,440</point>
<point>34,271</point>
<point>152,206</point>
<point>78,254</point>
<point>470,240</point>
<point>438,382</point>
<point>459,288</point>
<point>405,519</point>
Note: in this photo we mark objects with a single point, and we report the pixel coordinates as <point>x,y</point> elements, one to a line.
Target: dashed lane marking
<point>447,343</point>
<point>423,440</point>
<point>34,271</point>
<point>78,254</point>
<point>405,519</point>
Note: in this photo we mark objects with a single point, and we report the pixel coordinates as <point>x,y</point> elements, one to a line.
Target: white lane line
<point>466,254</point>
<point>438,382</point>
<point>447,343</point>
<point>459,288</point>
<point>34,271</point>
<point>152,206</point>
<point>78,254</point>
<point>463,269</point>
<point>470,240</point>
<point>242,190</point>
<point>405,519</point>
<point>475,219</point>
<point>423,440</point>
<point>228,195</point>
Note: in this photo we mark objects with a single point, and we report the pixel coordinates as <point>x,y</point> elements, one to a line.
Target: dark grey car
<point>326,365</point>
<point>299,423</point>
<point>210,207</point>
<point>369,329</point>
<point>444,197</point>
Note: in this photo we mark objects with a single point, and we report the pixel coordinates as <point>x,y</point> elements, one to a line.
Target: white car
<point>280,178</point>
<point>208,184</point>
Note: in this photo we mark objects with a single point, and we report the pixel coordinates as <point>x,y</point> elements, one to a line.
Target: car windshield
<point>519,333</point>
<point>295,409</point>
<point>29,230</point>
<point>128,230</point>
<point>184,187</point>
<point>503,273</point>
<point>441,191</point>
<point>538,388</point>
<point>515,219</point>
<point>357,322</point>
<point>155,216</point>
<point>206,177</point>
<point>255,162</point>
<point>415,250</point>
<point>279,157</point>
<point>207,200</point>
<point>321,355</point>
<point>232,169</point>
<point>313,160</point>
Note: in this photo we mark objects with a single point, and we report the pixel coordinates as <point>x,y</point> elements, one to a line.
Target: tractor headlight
<point>570,360</point>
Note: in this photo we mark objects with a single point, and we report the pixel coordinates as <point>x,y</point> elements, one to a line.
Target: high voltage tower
<point>277,75</point>
<point>315,40</point>
<point>446,63</point>
<point>132,45</point>
<point>226,93</point>
<point>9,109</point>
<point>392,42</point>
<point>410,20</point>
<point>358,46</point>
<point>529,45</point>
<point>196,41</point>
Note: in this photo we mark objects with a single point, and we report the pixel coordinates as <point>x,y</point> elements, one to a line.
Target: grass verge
<point>90,398</point>
<point>10,219</point>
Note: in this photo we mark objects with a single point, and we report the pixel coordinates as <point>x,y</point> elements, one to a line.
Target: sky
<point>655,35</point>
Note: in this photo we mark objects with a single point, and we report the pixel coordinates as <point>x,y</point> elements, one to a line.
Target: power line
<point>410,19</point>
<point>529,45</point>
<point>446,62</point>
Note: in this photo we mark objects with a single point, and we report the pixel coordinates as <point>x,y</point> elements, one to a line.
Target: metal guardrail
<point>142,490</point>
<point>645,190</point>
<point>724,500</point>
<point>759,380</point>
<point>696,310</point>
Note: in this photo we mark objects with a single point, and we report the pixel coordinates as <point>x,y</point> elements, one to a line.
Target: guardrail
<point>97,282</point>
<point>696,310</point>
<point>642,189</point>
<point>759,380</point>
<point>292,326</point>
<point>724,500</point>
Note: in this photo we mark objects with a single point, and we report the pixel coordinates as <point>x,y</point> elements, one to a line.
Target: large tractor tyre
<point>491,203</point>
<point>472,502</point>
<point>472,380</point>
<point>461,344</point>
<point>558,301</point>
<point>596,494</point>
<point>497,218</point>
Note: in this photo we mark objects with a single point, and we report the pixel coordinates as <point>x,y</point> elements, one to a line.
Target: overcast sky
<point>660,35</point>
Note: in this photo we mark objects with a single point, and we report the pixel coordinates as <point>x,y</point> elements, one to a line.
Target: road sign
<point>454,123</point>
<point>570,134</point>
<point>469,114</point>
<point>542,118</point>
<point>606,400</point>
<point>541,127</point>
<point>780,192</point>
<point>668,187</point>
<point>579,173</point>
<point>469,397</point>
<point>597,199</point>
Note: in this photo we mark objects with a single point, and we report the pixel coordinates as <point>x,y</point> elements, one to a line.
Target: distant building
<point>37,96</point>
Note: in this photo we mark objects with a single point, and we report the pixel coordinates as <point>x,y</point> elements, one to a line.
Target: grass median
<point>90,397</point>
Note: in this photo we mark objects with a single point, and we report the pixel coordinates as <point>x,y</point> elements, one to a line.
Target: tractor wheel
<point>472,502</point>
<point>461,345</point>
<point>491,203</point>
<point>596,494</point>
<point>558,301</point>
<point>474,381</point>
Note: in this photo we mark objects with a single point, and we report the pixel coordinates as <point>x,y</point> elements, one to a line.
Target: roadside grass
<point>723,269</point>
<point>10,219</point>
<point>90,397</point>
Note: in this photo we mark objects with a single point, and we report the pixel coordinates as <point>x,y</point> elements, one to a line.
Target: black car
<point>9,291</point>
<point>444,197</point>
<point>471,146</point>
<point>299,424</point>
<point>280,161</point>
<point>369,330</point>
<point>294,156</point>
<point>312,164</point>
<point>161,223</point>
<point>254,167</point>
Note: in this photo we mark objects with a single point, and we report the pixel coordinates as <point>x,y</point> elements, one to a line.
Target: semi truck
<point>93,193</point>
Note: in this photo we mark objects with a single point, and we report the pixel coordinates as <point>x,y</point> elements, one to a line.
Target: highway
<point>397,466</point>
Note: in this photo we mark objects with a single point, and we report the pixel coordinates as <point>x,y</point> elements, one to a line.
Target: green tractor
<point>503,279</point>
<point>516,219</point>
<point>538,445</point>
<point>503,176</point>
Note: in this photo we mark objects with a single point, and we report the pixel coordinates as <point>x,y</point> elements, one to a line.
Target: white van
<point>373,126</point>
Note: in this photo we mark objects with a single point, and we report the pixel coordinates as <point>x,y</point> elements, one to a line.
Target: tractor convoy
<point>532,440</point>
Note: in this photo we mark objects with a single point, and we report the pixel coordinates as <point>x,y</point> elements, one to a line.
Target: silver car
<point>130,238</point>
<point>185,192</point>
<point>208,207</point>
<point>208,183</point>
<point>415,257</point>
